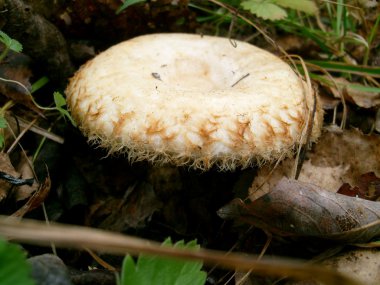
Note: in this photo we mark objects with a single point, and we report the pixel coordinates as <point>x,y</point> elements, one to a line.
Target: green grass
<point>341,35</point>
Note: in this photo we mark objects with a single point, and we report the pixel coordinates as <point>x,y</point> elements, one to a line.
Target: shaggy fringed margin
<point>138,153</point>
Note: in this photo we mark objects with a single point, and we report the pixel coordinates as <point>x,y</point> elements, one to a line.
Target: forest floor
<point>49,172</point>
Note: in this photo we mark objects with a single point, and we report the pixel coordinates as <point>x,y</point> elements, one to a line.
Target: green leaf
<point>306,6</point>
<point>128,3</point>
<point>266,9</point>
<point>151,269</point>
<point>3,122</point>
<point>2,141</point>
<point>14,269</point>
<point>10,43</point>
<point>59,100</point>
<point>66,115</point>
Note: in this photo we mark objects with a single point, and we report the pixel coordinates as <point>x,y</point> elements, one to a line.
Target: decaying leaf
<point>10,178</point>
<point>132,211</point>
<point>362,98</point>
<point>15,74</point>
<point>35,200</point>
<point>368,187</point>
<point>25,191</point>
<point>337,158</point>
<point>360,264</point>
<point>296,208</point>
<point>6,167</point>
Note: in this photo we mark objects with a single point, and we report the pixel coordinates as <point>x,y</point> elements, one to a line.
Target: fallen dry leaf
<point>363,99</point>
<point>6,167</point>
<point>35,200</point>
<point>25,191</point>
<point>337,158</point>
<point>295,208</point>
<point>368,187</point>
<point>132,211</point>
<point>15,85</point>
<point>360,264</point>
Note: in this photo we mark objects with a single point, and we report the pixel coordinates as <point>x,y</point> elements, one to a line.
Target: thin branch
<point>34,232</point>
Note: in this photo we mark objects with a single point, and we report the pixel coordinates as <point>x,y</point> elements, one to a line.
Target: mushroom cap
<point>192,100</point>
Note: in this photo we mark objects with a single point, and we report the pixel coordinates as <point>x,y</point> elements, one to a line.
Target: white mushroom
<point>192,100</point>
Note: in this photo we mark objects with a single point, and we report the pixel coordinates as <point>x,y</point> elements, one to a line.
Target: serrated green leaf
<point>265,9</point>
<point>307,6</point>
<point>160,270</point>
<point>10,43</point>
<point>14,269</point>
<point>128,3</point>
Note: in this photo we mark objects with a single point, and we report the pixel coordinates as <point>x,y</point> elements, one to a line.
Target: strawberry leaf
<point>306,6</point>
<point>10,43</point>
<point>266,9</point>
<point>14,269</point>
<point>151,269</point>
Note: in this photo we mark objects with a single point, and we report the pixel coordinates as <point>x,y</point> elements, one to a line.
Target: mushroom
<point>192,100</point>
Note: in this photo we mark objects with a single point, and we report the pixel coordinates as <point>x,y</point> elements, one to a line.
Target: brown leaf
<point>16,71</point>
<point>361,264</point>
<point>363,99</point>
<point>337,158</point>
<point>25,191</point>
<point>6,167</point>
<point>368,187</point>
<point>132,211</point>
<point>36,200</point>
<point>296,208</point>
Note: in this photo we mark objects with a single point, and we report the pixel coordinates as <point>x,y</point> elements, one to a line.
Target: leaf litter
<point>6,167</point>
<point>338,157</point>
<point>15,74</point>
<point>335,175</point>
<point>294,208</point>
<point>342,162</point>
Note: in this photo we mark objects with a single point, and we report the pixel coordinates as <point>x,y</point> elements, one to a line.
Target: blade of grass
<point>321,38</point>
<point>39,84</point>
<point>338,15</point>
<point>370,39</point>
<point>359,87</point>
<point>347,68</point>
